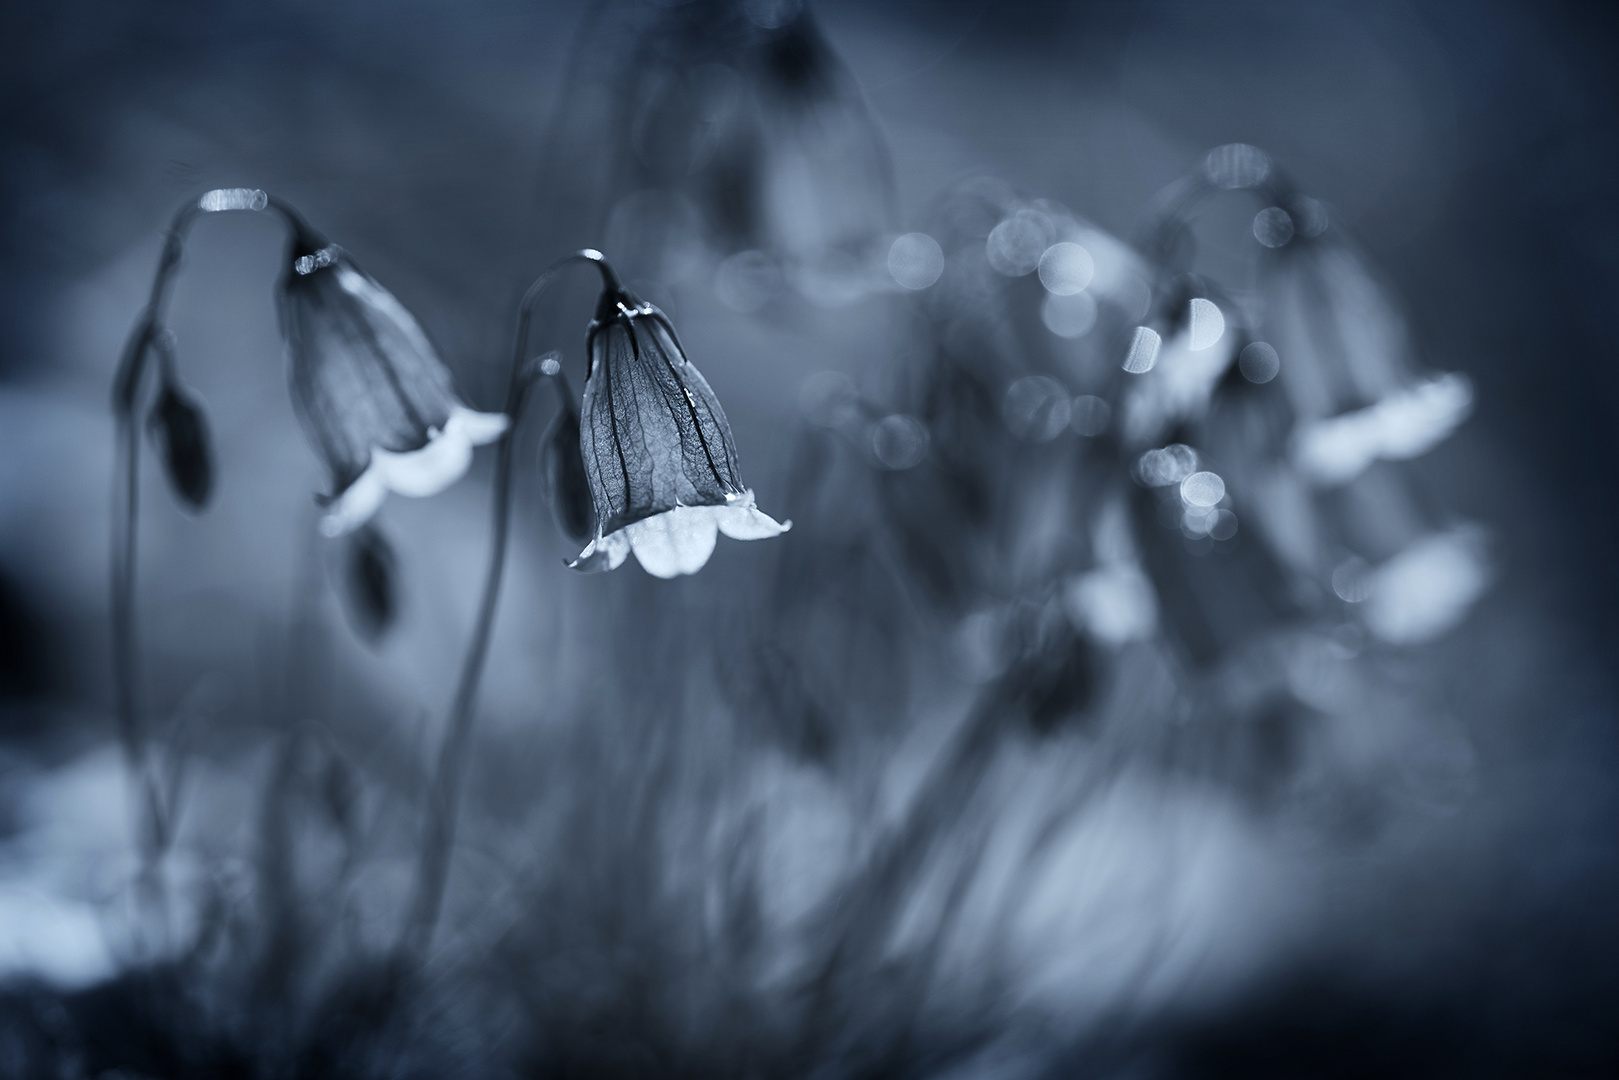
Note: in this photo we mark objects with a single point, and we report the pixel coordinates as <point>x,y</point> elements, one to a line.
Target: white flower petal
<point>742,520</point>
<point>1424,416</point>
<point>479,428</point>
<point>429,470</point>
<point>1116,603</point>
<point>602,554</point>
<point>1404,425</point>
<point>675,542</point>
<point>1429,587</point>
<point>356,504</point>
<point>418,473</point>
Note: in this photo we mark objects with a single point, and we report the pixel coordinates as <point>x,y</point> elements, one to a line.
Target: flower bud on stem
<point>184,434</point>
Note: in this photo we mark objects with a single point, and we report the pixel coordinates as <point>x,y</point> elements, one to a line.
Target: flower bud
<point>369,387</point>
<point>658,451</point>
<point>369,576</point>
<point>562,471</point>
<point>178,425</point>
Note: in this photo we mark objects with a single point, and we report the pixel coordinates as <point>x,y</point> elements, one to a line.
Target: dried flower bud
<point>658,452</point>
<point>369,576</point>
<point>562,471</point>
<point>369,387</point>
<point>178,425</point>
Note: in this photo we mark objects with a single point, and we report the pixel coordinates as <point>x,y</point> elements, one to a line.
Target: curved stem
<point>150,825</point>
<point>443,794</point>
<point>443,798</point>
<point>153,826</point>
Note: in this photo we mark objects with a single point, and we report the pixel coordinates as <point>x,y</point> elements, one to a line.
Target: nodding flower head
<point>371,391</point>
<point>658,451</point>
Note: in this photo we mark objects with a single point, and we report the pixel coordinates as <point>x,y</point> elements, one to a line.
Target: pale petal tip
<point>678,541</point>
<point>597,562</point>
<point>675,542</point>
<point>428,470</point>
<point>741,519</point>
<point>479,428</point>
<point>354,505</point>
<point>602,554</point>
<point>747,522</point>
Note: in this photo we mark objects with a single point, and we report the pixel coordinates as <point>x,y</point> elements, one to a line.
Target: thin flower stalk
<point>449,772</point>
<point>370,390</point>
<point>149,336</point>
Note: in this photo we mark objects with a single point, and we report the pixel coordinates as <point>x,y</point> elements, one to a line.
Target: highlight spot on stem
<point>233,199</point>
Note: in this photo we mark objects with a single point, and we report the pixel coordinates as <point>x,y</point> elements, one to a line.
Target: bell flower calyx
<point>370,389</point>
<point>658,451</point>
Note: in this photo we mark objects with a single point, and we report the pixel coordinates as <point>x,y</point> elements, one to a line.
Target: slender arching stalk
<point>443,797</point>
<point>153,828</point>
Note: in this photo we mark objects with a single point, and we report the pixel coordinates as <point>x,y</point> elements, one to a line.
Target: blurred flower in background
<point>1326,402</point>
<point>1133,694</point>
<point>741,151</point>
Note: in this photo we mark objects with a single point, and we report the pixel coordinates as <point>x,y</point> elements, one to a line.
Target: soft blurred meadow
<point>1192,654</point>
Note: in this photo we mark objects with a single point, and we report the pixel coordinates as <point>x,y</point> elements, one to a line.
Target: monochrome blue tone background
<point>1450,912</point>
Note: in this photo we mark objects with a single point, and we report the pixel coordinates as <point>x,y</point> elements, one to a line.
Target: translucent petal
<point>675,542</point>
<point>386,307</point>
<point>355,505</point>
<point>429,470</point>
<point>1338,450</point>
<point>741,520</point>
<point>1422,417</point>
<point>479,428</point>
<point>418,473</point>
<point>1429,587</point>
<point>1403,425</point>
<point>1115,603</point>
<point>602,554</point>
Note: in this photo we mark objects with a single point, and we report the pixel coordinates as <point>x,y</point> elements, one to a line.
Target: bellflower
<point>371,391</point>
<point>658,451</point>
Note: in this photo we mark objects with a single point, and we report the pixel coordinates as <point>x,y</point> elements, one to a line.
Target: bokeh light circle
<point>915,260</point>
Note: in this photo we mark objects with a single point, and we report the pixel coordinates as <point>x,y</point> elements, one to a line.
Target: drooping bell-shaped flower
<point>369,387</point>
<point>658,450</point>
